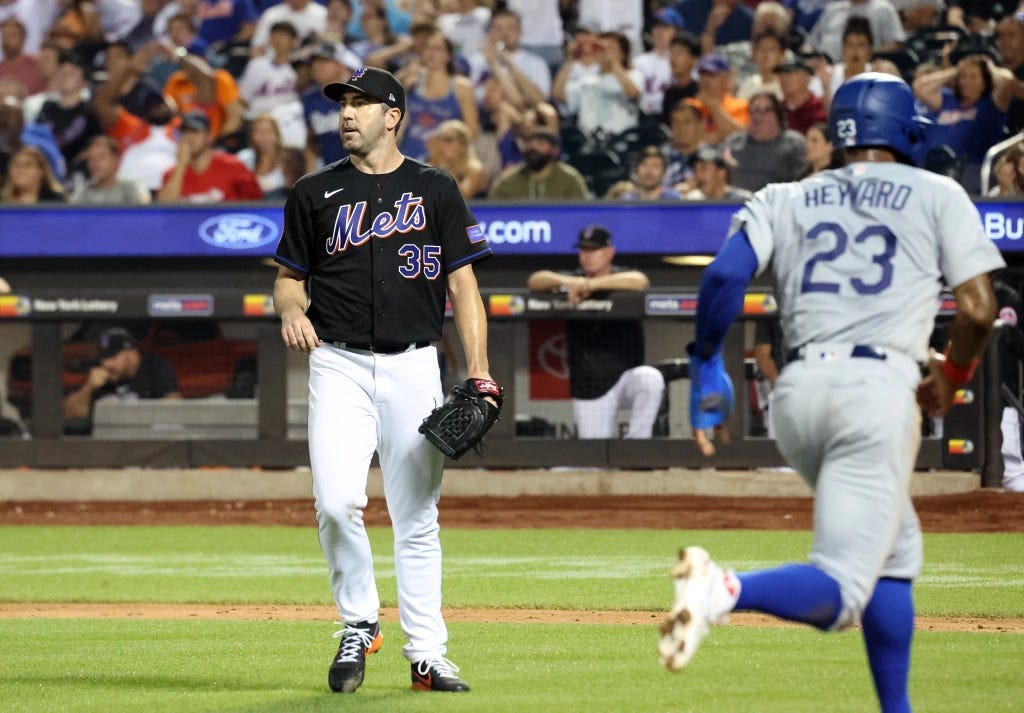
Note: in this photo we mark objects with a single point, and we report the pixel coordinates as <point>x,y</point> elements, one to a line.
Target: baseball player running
<point>857,255</point>
<point>371,245</point>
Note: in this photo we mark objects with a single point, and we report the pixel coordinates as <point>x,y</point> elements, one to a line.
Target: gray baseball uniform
<point>858,256</point>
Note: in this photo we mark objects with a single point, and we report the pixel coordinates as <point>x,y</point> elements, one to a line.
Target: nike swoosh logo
<point>328,194</point>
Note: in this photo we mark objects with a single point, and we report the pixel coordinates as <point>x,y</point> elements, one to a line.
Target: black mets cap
<point>593,237</point>
<point>373,82</point>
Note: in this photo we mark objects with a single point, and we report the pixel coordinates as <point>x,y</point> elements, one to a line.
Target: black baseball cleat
<point>437,674</point>
<point>349,666</point>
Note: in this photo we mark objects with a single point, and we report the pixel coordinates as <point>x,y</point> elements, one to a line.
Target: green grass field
<point>219,665</point>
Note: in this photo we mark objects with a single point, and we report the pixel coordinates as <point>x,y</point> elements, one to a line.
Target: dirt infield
<point>978,511</point>
<point>269,612</point>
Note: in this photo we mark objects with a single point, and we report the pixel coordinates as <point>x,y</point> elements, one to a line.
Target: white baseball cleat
<point>705,594</point>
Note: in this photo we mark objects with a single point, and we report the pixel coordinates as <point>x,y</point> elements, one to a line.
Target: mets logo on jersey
<point>348,226</point>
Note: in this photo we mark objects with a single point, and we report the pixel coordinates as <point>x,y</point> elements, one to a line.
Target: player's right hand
<point>298,333</point>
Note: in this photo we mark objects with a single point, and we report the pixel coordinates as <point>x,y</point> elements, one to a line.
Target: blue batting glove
<point>711,392</point>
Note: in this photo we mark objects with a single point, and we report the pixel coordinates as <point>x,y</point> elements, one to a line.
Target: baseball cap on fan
<point>376,83</point>
<point>593,237</point>
<point>114,341</point>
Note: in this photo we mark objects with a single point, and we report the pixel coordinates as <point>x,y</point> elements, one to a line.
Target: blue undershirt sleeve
<point>722,287</point>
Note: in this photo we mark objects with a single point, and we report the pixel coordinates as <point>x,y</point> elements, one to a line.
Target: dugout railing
<point>667,315</point>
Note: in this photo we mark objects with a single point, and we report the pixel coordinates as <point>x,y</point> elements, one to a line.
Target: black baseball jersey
<point>376,249</point>
<point>600,350</point>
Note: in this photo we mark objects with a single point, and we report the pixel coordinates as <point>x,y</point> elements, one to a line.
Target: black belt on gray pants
<point>859,351</point>
<point>380,347</point>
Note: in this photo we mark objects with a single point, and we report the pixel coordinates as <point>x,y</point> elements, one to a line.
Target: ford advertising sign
<point>254,229</point>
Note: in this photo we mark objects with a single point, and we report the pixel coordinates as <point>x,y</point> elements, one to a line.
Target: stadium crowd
<point>132,101</point>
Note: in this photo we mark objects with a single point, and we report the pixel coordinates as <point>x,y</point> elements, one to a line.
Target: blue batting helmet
<point>875,109</point>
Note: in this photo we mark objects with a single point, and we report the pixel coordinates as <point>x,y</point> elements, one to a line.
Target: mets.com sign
<point>511,229</point>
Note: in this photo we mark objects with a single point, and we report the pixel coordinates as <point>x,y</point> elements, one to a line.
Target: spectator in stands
<point>36,16</point>
<point>30,179</point>
<point>148,148</point>
<point>464,23</point>
<point>196,86</point>
<point>803,108</point>
<point>723,113</point>
<point>451,148</point>
<point>307,17</point>
<point>918,15</point>
<point>49,62</point>
<point>80,28</point>
<point>124,372</point>
<point>339,17</point>
<point>582,60</point>
<point>500,56</point>
<point>203,174</point>
<point>605,16</point>
<point>857,42</point>
<point>769,17</point>
<point>606,357</point>
<point>544,34</point>
<point>712,173</point>
<point>718,22</point>
<point>330,63</point>
<point>541,175</point>
<point>103,187</point>
<point>15,131</point>
<point>768,53</point>
<point>434,93</point>
<point>183,31</point>
<point>605,103</point>
<point>265,153</point>
<point>377,33</point>
<point>511,123</point>
<point>270,80</point>
<point>805,13</point>
<point>971,115</point>
<point>683,55</point>
<point>829,33</point>
<point>767,152</point>
<point>1007,172</point>
<point>143,31</point>
<point>137,92</point>
<point>70,116</point>
<point>819,150</point>
<point>15,63</point>
<point>222,22</point>
<point>649,170</point>
<point>687,136</point>
<point>1010,43</point>
<point>405,50</point>
<point>654,65</point>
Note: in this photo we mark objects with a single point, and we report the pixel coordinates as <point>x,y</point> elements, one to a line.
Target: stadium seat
<point>627,144</point>
<point>906,61</point>
<point>573,142</point>
<point>991,156</point>
<point>600,169</point>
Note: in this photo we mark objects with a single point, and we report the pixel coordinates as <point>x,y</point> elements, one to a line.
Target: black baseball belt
<point>857,351</point>
<point>379,347</point>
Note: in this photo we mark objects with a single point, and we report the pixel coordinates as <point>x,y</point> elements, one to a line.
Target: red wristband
<point>958,374</point>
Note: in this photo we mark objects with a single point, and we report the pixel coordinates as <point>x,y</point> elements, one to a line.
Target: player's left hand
<point>711,400</point>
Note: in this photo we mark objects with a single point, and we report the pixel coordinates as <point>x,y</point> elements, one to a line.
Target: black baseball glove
<point>461,422</point>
